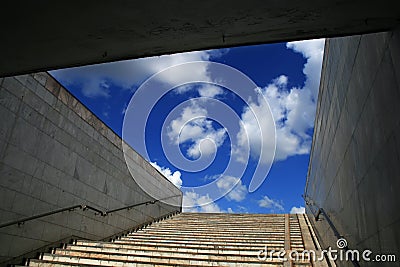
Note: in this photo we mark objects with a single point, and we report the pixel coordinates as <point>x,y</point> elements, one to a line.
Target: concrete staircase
<point>196,239</point>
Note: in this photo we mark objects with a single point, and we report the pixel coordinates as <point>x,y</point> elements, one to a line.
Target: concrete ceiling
<point>45,35</point>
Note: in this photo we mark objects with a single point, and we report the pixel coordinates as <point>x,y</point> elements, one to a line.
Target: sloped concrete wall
<point>55,153</point>
<point>354,172</point>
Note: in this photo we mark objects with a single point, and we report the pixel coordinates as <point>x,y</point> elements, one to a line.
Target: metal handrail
<point>82,207</point>
<point>321,211</point>
<point>139,204</point>
<point>129,207</point>
<point>22,221</point>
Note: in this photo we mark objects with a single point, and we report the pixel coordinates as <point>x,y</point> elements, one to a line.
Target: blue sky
<point>210,131</point>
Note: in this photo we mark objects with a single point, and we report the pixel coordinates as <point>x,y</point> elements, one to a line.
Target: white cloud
<point>173,177</point>
<point>192,126</point>
<point>281,80</point>
<point>298,210</point>
<point>95,80</point>
<point>209,90</point>
<point>270,204</point>
<point>313,51</point>
<point>239,191</point>
<point>255,131</point>
<point>241,209</point>
<point>193,202</point>
<point>293,110</point>
<point>96,88</point>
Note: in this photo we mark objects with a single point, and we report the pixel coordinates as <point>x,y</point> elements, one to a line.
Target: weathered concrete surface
<point>46,35</point>
<point>198,239</point>
<point>355,161</point>
<point>55,153</point>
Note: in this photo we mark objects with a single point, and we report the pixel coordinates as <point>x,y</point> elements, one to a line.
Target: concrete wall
<point>55,153</point>
<point>354,171</point>
<point>41,35</point>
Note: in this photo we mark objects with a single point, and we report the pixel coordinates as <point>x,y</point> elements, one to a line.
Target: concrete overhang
<point>45,35</point>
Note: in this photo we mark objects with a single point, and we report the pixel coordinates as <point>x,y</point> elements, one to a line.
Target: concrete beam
<point>46,35</point>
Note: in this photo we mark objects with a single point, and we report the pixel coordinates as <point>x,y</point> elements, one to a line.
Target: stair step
<point>184,255</point>
<point>155,249</point>
<point>130,260</point>
<point>201,246</point>
<point>140,236</point>
<point>192,240</point>
<point>46,263</point>
<point>42,263</point>
<point>247,238</point>
<point>211,233</point>
<point>231,242</point>
<point>209,242</point>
